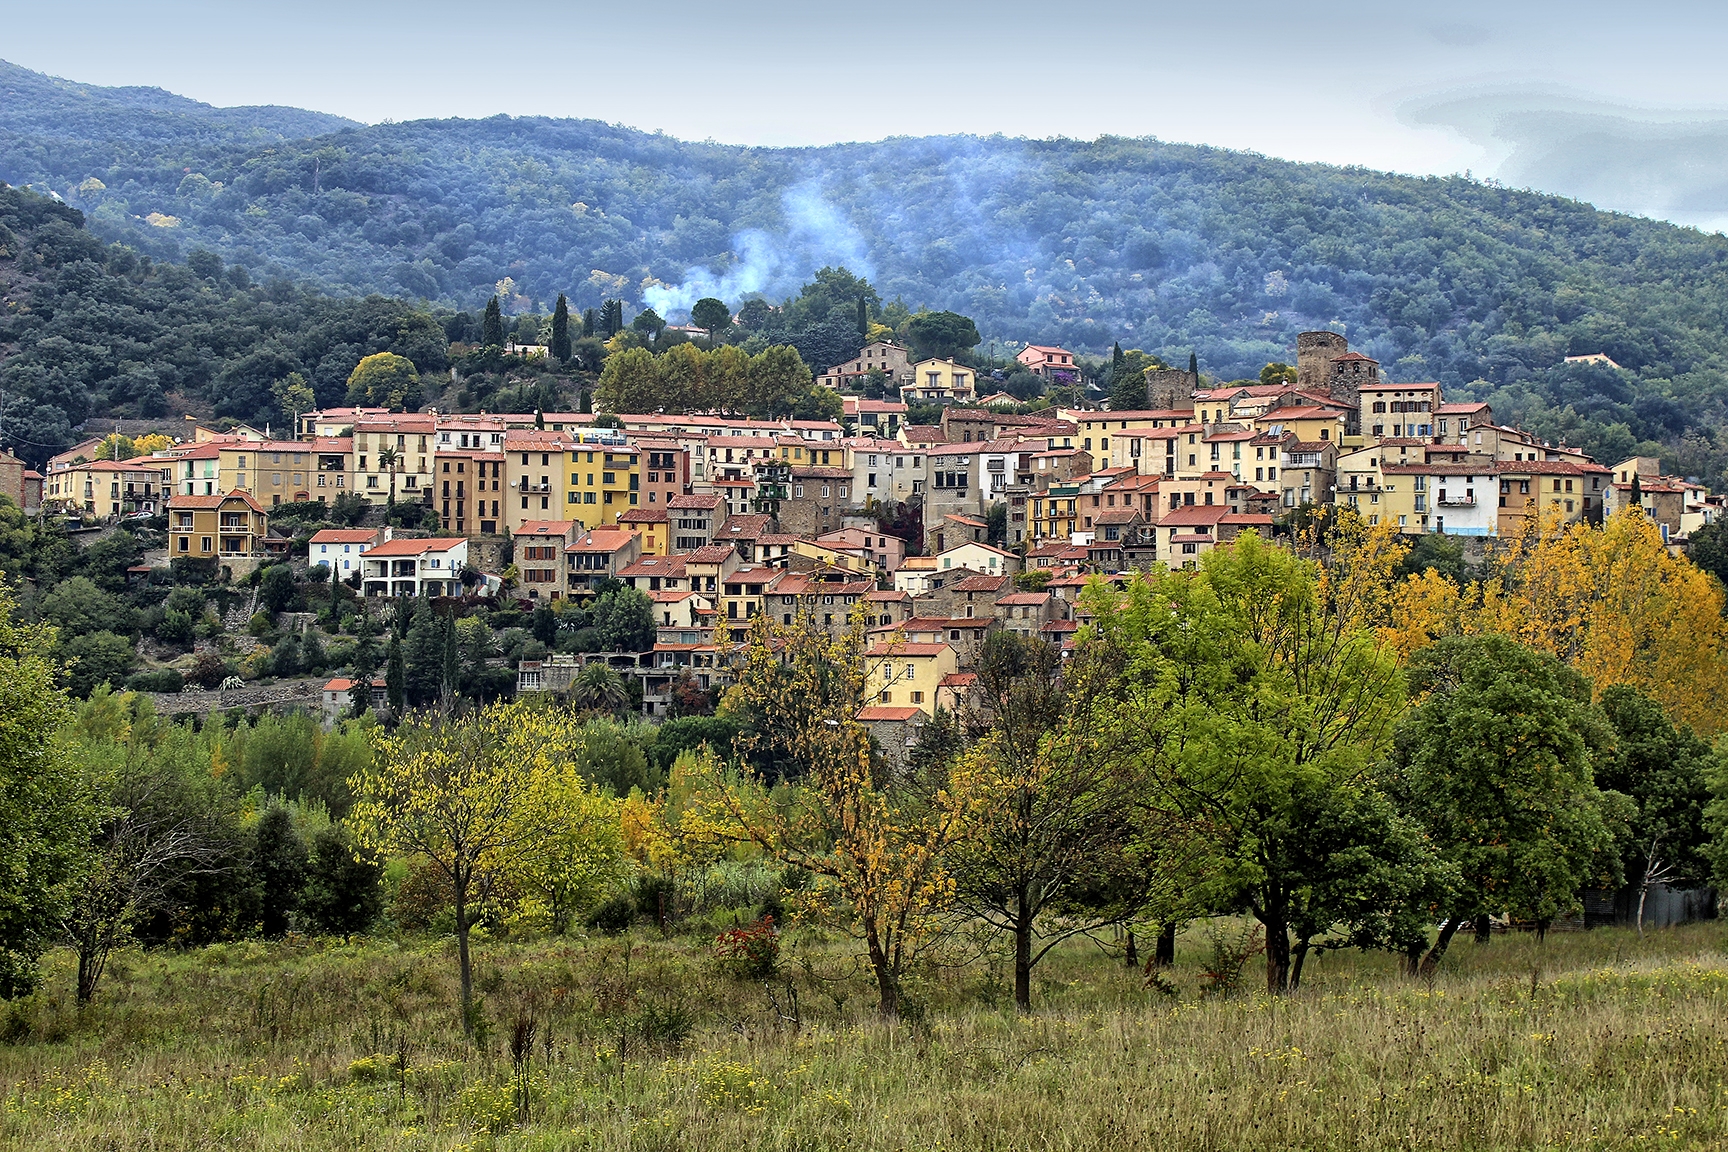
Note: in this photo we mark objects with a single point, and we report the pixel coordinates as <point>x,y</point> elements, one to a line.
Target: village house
<point>652,525</point>
<point>882,357</point>
<point>340,549</point>
<point>427,567</point>
<point>229,529</point>
<point>937,381</point>
<point>597,555</point>
<point>1050,362</point>
<point>907,673</point>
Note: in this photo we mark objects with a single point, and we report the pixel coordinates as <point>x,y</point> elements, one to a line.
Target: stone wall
<point>1170,388</point>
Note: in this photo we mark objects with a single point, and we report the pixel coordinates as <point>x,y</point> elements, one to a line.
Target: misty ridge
<point>1173,249</point>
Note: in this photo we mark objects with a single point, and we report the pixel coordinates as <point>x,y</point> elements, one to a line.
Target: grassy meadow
<point>1593,1040</point>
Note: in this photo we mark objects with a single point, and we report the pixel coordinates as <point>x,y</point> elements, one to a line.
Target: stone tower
<point>1314,354</point>
<point>1170,388</point>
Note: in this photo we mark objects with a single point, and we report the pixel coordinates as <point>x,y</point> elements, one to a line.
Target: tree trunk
<point>462,961</point>
<point>1448,928</point>
<point>1164,953</point>
<point>1277,953</point>
<point>1023,958</point>
<point>1484,929</point>
<point>1132,955</point>
<point>887,986</point>
<point>90,964</point>
<point>1301,957</point>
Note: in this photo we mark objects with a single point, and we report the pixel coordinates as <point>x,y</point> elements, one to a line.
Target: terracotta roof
<point>922,433</point>
<point>1193,514</point>
<point>669,566</point>
<point>1190,538</point>
<point>544,528</point>
<point>643,516</point>
<point>1248,519</point>
<point>605,538</point>
<point>1116,516</point>
<point>887,596</point>
<point>888,712</point>
<point>339,684</point>
<point>958,680</point>
<point>181,503</point>
<point>980,583</point>
<point>709,554</point>
<point>415,547</point>
<point>1017,599</point>
<point>934,623</point>
<point>748,526</point>
<point>908,648</point>
<point>705,502</point>
<point>1354,356</point>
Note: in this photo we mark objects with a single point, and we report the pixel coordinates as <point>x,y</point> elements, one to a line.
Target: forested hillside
<point>1164,247</point>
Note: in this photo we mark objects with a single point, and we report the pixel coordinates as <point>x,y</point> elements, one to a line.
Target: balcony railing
<point>1449,501</point>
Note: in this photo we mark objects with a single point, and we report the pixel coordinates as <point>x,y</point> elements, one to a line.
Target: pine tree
<point>561,330</point>
<point>492,326</point>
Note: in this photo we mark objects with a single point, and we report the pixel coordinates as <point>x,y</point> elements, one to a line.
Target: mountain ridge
<point>1168,247</point>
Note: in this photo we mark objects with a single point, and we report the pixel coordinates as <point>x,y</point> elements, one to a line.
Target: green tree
<point>1255,710</point>
<point>561,330</point>
<point>713,315</point>
<point>388,459</point>
<point>944,335</point>
<point>279,869</point>
<point>1496,764</point>
<point>492,325</point>
<point>1278,373</point>
<point>624,617</point>
<point>344,891</point>
<point>97,658</point>
<point>276,588</point>
<point>1707,547</point>
<point>1665,768</point>
<point>47,814</point>
<point>647,324</point>
<point>384,380</point>
<point>293,397</point>
<point>598,689</point>
<point>1128,393</point>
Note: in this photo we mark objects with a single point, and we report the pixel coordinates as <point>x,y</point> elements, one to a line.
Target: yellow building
<point>561,475</point>
<point>279,471</point>
<point>397,448</point>
<point>909,673</point>
<point>652,524</point>
<point>939,382</point>
<point>110,487</point>
<point>1051,514</point>
<point>1121,439</point>
<point>230,528</point>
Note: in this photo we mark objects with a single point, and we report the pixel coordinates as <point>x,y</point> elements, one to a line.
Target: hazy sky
<point>1625,105</point>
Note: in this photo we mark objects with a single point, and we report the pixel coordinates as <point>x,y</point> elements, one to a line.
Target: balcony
<point>1449,500</point>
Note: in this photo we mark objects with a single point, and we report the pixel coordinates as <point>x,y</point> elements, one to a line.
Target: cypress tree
<point>1637,492</point>
<point>588,322</point>
<point>1194,368</point>
<point>279,864</point>
<point>863,319</point>
<point>492,326</point>
<point>539,420</point>
<point>584,405</point>
<point>447,685</point>
<point>561,330</point>
<point>1116,360</point>
<point>396,678</point>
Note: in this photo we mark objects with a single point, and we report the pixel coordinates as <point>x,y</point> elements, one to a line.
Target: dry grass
<point>1596,1040</point>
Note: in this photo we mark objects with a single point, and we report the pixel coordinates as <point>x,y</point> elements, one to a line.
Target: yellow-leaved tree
<point>482,797</point>
<point>875,833</point>
<point>1616,605</point>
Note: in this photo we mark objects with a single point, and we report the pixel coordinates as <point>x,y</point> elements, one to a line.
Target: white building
<point>431,567</point>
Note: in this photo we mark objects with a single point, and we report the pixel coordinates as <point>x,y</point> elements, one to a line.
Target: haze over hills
<point>1170,248</point>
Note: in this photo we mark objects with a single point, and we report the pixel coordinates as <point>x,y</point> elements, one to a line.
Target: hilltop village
<point>940,533</point>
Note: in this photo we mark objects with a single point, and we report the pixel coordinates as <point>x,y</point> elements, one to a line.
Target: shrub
<point>613,916</point>
<point>157,680</point>
<point>751,952</point>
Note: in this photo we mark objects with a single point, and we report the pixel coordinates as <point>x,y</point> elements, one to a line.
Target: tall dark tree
<point>588,320</point>
<point>611,318</point>
<point>863,319</point>
<point>561,330</point>
<point>395,678</point>
<point>1116,361</point>
<point>279,869</point>
<point>492,325</point>
<point>1194,365</point>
